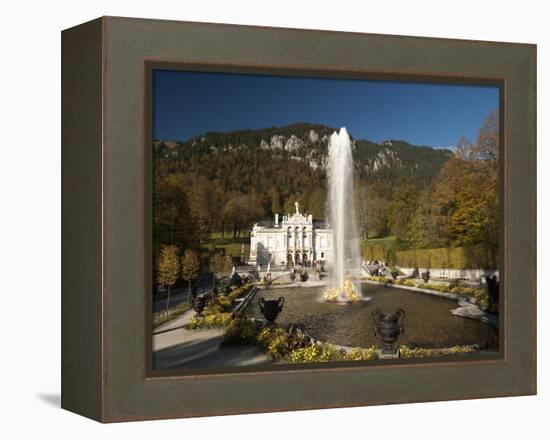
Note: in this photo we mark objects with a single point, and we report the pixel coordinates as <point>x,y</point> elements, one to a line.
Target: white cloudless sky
<point>30,220</point>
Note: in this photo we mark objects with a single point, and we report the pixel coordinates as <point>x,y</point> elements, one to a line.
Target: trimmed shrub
<point>457,259</point>
<point>274,340</point>
<point>405,282</point>
<point>484,303</point>
<point>367,252</point>
<point>408,353</point>
<point>217,315</point>
<point>317,353</point>
<point>453,287</point>
<point>473,257</point>
<point>423,258</point>
<point>212,309</point>
<point>219,320</point>
<point>379,252</point>
<point>361,354</point>
<point>330,353</point>
<point>239,332</point>
<point>439,257</point>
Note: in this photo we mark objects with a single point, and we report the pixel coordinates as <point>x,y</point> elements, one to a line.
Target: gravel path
<point>176,347</point>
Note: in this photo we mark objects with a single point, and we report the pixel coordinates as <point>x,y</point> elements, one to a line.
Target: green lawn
<point>382,240</point>
<point>232,246</point>
<point>228,235</point>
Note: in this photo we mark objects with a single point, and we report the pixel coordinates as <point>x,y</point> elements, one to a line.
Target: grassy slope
<point>232,246</point>
<point>382,240</point>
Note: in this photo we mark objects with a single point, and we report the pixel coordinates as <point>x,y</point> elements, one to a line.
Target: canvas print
<point>305,220</point>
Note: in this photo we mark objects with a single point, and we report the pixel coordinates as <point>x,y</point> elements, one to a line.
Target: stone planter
<point>271,308</point>
<point>199,303</point>
<point>388,326</point>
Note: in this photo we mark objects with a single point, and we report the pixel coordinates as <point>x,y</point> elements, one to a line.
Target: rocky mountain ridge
<point>308,143</point>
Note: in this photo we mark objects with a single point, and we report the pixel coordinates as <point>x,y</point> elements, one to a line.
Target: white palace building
<point>297,239</point>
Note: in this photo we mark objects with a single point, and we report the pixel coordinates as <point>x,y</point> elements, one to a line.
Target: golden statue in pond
<point>347,293</point>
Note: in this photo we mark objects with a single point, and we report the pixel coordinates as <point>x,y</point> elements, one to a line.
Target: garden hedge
<point>473,257</point>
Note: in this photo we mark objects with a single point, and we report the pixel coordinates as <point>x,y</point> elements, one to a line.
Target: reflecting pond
<point>428,321</point>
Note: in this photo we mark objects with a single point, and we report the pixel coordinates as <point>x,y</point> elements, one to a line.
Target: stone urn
<point>271,308</point>
<point>199,303</point>
<point>388,326</point>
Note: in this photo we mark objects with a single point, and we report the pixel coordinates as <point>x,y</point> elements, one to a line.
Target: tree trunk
<point>189,293</point>
<point>168,300</point>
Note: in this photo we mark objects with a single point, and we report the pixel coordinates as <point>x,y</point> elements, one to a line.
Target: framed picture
<point>305,219</point>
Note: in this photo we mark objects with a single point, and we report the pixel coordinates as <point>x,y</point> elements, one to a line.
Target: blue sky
<point>187,104</point>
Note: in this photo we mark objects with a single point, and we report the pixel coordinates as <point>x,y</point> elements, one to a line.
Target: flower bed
<point>294,345</point>
<point>480,295</point>
<point>289,346</point>
<point>410,353</point>
<point>214,320</point>
<point>218,313</point>
<point>331,353</point>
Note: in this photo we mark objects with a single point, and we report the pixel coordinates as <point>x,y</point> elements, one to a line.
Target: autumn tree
<point>316,202</point>
<point>190,268</point>
<point>171,220</point>
<point>402,208</point>
<point>260,204</point>
<point>275,200</point>
<point>290,203</point>
<point>241,211</point>
<point>423,231</point>
<point>227,264</point>
<point>361,209</point>
<point>487,143</point>
<point>371,210</point>
<point>168,268</point>
<point>476,218</point>
<point>206,198</point>
<point>219,264</point>
<point>216,265</point>
<point>465,194</point>
<point>426,197</point>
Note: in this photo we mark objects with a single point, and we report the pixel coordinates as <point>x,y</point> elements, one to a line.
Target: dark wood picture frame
<point>106,214</point>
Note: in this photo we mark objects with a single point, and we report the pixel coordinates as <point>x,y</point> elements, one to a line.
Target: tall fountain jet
<point>342,219</point>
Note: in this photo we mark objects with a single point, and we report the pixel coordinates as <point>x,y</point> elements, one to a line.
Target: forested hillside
<point>226,181</point>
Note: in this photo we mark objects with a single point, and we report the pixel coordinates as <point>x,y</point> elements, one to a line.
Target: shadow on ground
<point>52,399</point>
<point>207,354</point>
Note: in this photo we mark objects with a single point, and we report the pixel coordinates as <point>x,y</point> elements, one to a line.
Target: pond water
<point>428,321</point>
